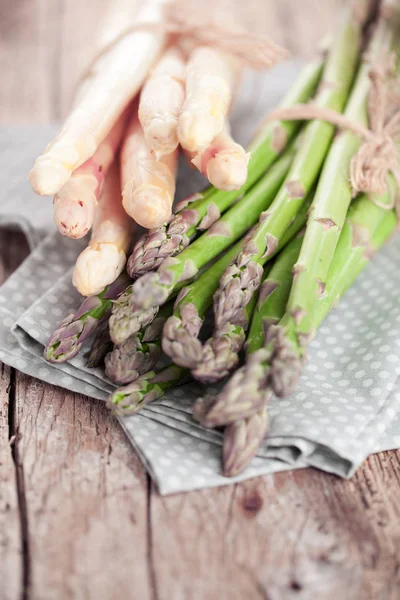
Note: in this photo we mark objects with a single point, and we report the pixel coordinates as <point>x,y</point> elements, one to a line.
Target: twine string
<point>378,155</point>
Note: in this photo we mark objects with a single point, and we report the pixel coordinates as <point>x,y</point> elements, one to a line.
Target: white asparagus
<point>76,202</point>
<point>114,80</point>
<point>161,101</point>
<point>224,162</point>
<point>148,185</point>
<point>105,256</point>
<point>210,78</point>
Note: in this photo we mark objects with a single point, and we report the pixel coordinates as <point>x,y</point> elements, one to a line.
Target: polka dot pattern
<point>346,406</point>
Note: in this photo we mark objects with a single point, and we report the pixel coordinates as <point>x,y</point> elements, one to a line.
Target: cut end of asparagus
<point>97,267</point>
<point>242,440</point>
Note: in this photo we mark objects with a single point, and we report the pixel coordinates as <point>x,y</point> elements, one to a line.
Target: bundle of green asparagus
<point>264,264</point>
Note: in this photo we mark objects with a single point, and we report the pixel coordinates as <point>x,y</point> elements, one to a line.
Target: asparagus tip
<point>241,442</point>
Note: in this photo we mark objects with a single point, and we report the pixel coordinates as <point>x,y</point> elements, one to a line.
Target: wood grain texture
<point>296,535</point>
<point>86,497</point>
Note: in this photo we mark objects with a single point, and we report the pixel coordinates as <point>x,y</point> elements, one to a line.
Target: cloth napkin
<point>346,407</point>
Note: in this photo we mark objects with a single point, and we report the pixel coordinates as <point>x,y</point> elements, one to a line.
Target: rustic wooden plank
<point>10,532</point>
<point>86,496</point>
<point>13,249</point>
<point>298,535</point>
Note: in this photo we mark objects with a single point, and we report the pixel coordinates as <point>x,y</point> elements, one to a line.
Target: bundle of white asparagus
<point>162,83</point>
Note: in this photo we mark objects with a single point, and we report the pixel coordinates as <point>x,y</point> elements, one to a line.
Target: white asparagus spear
<point>161,101</point>
<point>115,79</point>
<point>210,77</point>
<point>76,202</point>
<point>105,257</point>
<point>224,162</point>
<point>148,185</point>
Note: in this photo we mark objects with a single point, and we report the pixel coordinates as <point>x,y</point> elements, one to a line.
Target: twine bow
<point>378,156</point>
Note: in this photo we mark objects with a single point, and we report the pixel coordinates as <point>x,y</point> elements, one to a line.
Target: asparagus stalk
<point>220,352</point>
<point>350,259</point>
<point>130,399</point>
<point>152,289</point>
<point>244,275</point>
<point>100,347</point>
<point>326,220</point>
<point>74,330</point>
<point>244,393</point>
<point>139,353</point>
<point>199,212</point>
<point>291,337</point>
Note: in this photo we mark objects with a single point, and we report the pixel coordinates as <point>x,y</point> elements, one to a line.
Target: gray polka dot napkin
<point>346,407</point>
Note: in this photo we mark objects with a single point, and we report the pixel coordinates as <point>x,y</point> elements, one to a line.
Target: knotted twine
<point>184,19</point>
<point>378,156</point>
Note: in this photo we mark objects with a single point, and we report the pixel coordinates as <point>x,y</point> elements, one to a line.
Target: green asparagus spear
<point>329,210</point>
<point>292,335</point>
<point>336,81</point>
<point>139,353</point>
<point>72,332</point>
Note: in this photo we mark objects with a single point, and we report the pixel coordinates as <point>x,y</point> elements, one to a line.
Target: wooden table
<point>79,517</point>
